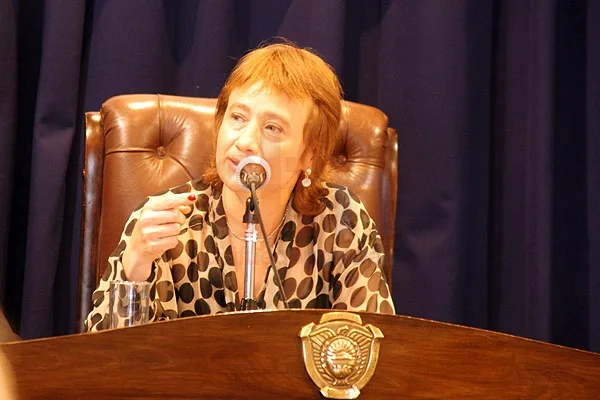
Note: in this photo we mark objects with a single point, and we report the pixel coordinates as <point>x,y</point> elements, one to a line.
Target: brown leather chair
<point>137,145</point>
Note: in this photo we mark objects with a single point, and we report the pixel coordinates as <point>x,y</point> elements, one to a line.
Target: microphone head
<point>253,169</point>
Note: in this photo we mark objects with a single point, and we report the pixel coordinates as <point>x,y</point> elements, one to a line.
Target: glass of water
<point>129,304</point>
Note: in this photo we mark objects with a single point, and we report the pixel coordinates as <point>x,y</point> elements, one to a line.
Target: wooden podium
<point>258,355</point>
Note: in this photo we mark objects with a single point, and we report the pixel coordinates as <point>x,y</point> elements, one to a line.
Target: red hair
<point>300,74</point>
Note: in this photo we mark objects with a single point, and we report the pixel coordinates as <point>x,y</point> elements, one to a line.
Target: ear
<point>306,161</point>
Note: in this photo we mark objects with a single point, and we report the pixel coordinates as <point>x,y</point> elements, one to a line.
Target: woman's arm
<point>149,233</point>
<point>358,281</point>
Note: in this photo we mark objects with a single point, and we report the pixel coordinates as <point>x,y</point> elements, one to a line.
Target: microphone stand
<point>251,237</point>
<point>277,278</point>
<point>257,175</point>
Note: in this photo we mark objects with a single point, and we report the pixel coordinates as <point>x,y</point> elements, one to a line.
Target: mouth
<point>233,162</point>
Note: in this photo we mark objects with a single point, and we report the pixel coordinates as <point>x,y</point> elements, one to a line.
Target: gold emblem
<point>340,354</point>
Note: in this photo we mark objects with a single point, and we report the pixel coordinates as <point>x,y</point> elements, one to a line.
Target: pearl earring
<point>306,181</point>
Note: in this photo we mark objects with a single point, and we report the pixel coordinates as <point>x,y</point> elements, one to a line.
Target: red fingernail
<point>192,197</point>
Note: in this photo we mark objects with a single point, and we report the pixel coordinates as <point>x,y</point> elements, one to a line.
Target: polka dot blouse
<point>331,261</point>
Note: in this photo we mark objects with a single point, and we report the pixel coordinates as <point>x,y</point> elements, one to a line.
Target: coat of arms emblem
<point>340,354</point>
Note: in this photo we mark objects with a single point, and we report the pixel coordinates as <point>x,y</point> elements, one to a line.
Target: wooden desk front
<point>259,356</point>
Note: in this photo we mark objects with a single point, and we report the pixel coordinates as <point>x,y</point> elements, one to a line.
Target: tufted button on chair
<point>138,145</point>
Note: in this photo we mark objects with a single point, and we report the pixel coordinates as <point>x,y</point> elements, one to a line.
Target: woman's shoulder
<point>343,206</point>
<point>340,197</point>
<point>345,216</point>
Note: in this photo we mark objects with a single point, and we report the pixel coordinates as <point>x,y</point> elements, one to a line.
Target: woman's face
<point>265,124</point>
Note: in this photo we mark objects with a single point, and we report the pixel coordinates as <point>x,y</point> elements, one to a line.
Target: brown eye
<point>273,129</point>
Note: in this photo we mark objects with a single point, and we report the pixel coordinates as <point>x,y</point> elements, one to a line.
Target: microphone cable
<point>278,282</point>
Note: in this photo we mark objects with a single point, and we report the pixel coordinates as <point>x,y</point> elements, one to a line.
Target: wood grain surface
<point>258,355</point>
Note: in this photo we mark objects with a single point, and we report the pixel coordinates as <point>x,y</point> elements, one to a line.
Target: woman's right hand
<point>155,232</point>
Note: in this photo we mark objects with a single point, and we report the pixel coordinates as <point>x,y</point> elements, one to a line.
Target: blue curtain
<point>495,102</point>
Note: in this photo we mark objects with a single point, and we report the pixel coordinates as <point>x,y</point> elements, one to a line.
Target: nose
<point>248,142</point>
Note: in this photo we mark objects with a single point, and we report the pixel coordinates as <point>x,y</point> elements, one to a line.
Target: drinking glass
<point>129,304</point>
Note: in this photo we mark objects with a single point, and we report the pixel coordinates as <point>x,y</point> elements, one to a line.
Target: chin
<point>231,183</point>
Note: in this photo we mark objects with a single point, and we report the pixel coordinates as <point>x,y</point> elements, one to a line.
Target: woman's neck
<point>272,206</point>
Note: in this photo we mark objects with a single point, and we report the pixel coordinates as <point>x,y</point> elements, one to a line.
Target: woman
<point>281,103</point>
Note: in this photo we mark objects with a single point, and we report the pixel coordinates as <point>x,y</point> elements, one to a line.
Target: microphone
<point>253,170</point>
<point>251,173</point>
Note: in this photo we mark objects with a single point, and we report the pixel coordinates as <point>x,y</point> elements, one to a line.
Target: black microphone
<point>253,170</point>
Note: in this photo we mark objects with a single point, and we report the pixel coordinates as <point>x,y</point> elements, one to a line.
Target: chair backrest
<point>137,145</point>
